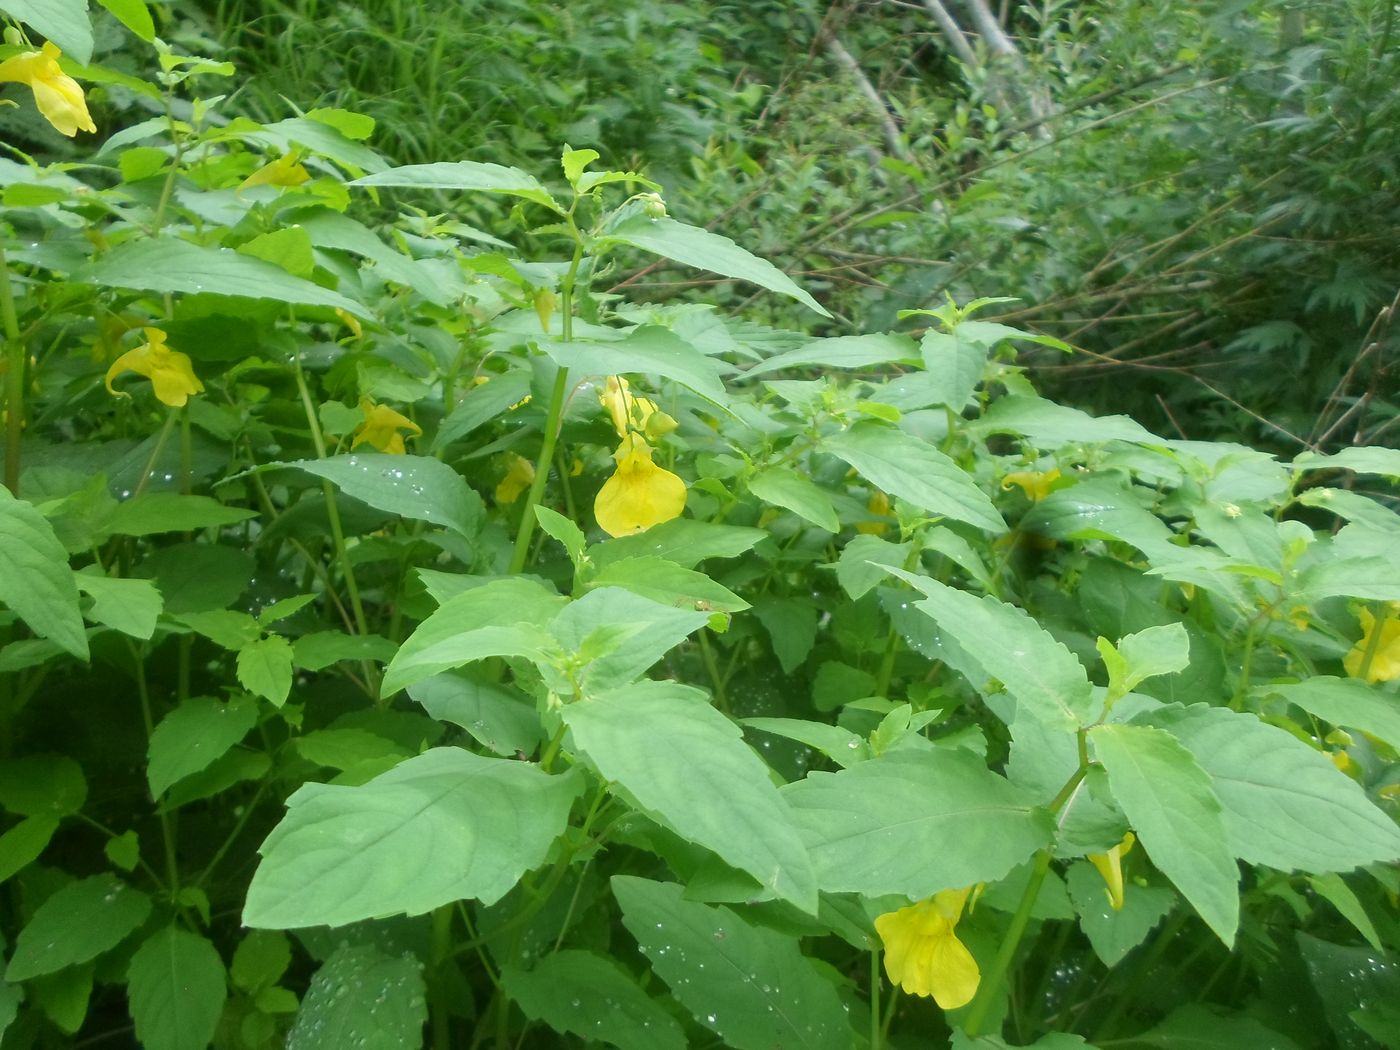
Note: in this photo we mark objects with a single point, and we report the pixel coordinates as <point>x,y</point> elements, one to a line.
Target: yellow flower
<point>922,953</point>
<point>57,95</point>
<point>1110,866</point>
<point>1383,648</point>
<point>519,474</point>
<point>640,494</point>
<point>628,411</point>
<point>169,371</point>
<point>286,170</point>
<point>878,505</point>
<point>381,428</point>
<point>1036,484</point>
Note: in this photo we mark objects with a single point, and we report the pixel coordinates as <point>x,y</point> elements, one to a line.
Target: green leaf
<point>1196,1027</point>
<point>1171,805</point>
<point>493,619</point>
<point>865,562</point>
<point>591,180</point>
<point>35,580</point>
<point>265,668</point>
<point>840,745</point>
<point>234,767</point>
<point>171,265</point>
<point>791,624</point>
<point>443,826</point>
<point>283,608</point>
<point>1042,675</point>
<point>594,998</point>
<point>954,364</point>
<point>288,249</point>
<point>1361,460</point>
<point>21,845</point>
<point>124,850</point>
<point>574,161</point>
<point>65,22</point>
<point>317,651</point>
<point>648,350</point>
<point>563,530</point>
<point>42,785</point>
<point>886,826</point>
<point>364,998</point>
<point>79,922</point>
<point>260,960</point>
<point>915,471</point>
<point>419,488</point>
<point>1051,1041</point>
<point>1286,805</point>
<point>1100,510</point>
<point>1050,426</point>
<point>64,996</point>
<point>721,797</point>
<point>1375,579</point>
<point>707,251</point>
<point>792,491</point>
<point>226,628</point>
<point>465,175</point>
<point>482,404</point>
<point>328,229</point>
<point>684,541</point>
<point>499,718</point>
<point>134,15</point>
<point>646,630</point>
<point>844,351</point>
<point>192,736</point>
<point>668,583</point>
<point>1146,654</point>
<point>1344,702</point>
<point>1332,888</point>
<point>1113,934</point>
<point>350,749</point>
<point>129,606</point>
<point>177,989</point>
<point>751,986</point>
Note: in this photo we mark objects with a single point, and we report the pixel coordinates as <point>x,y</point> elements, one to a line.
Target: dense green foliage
<point>450,596</point>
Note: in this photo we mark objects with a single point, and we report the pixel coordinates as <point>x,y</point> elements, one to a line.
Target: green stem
<point>242,822</point>
<point>154,458</point>
<point>332,511</point>
<point>555,413</point>
<point>167,833</point>
<point>875,998</point>
<point>14,376</point>
<point>882,682</point>
<point>994,978</point>
<point>707,653</point>
<point>996,975</point>
<point>551,434</point>
<point>552,748</point>
<point>442,947</point>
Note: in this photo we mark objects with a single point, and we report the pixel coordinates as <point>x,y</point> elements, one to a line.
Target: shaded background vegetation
<point>1201,197</point>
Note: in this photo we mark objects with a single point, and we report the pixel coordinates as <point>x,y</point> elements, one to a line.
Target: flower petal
<point>640,494</point>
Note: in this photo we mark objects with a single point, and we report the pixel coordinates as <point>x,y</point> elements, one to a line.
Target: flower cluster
<point>639,494</point>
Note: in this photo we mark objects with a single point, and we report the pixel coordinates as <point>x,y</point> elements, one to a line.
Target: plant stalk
<point>14,376</point>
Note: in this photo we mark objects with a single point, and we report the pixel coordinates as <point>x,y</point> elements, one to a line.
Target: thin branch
<point>894,141</point>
